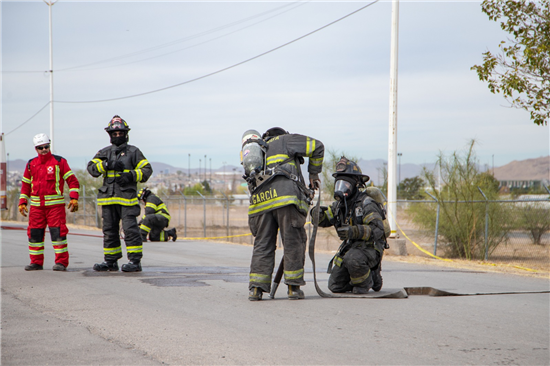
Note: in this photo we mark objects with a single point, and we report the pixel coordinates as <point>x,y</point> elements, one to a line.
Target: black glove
<point>114,165</point>
<point>348,232</point>
<point>124,179</point>
<point>321,212</point>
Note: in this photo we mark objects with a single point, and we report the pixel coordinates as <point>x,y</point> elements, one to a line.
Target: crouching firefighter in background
<point>279,201</point>
<point>358,217</point>
<point>155,219</point>
<point>122,166</point>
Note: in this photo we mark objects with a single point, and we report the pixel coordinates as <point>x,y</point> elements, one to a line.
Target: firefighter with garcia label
<point>122,166</point>
<point>359,219</point>
<point>280,201</point>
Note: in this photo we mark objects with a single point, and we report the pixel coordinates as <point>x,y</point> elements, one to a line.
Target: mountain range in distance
<point>529,169</point>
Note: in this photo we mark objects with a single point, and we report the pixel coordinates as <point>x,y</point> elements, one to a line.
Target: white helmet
<point>41,139</point>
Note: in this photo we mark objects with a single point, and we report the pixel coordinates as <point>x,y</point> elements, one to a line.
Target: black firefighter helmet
<point>117,124</point>
<point>143,194</point>
<point>274,131</point>
<point>348,177</point>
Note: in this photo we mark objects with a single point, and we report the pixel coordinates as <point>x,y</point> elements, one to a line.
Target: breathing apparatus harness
<point>258,177</point>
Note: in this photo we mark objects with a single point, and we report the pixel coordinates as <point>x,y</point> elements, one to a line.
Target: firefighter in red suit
<point>42,185</point>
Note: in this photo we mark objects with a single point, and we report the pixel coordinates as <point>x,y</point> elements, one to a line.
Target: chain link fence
<point>519,237</point>
<point>515,232</point>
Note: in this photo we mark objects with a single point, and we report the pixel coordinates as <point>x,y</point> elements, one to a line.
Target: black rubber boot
<point>106,266</point>
<point>172,234</point>
<point>377,278</point>
<point>294,292</point>
<point>59,267</point>
<point>131,267</point>
<point>255,294</point>
<point>33,267</point>
<point>360,290</point>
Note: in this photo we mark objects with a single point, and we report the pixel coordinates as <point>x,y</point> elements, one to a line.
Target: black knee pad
<point>37,235</point>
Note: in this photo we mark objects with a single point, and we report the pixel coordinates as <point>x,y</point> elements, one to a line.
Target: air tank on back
<point>252,155</point>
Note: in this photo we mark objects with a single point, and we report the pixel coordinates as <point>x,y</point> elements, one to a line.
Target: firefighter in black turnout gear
<point>280,201</point>
<point>359,222</point>
<point>122,167</point>
<point>155,219</point>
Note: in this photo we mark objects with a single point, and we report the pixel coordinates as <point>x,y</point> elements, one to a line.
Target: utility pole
<point>50,5</point>
<point>392,145</point>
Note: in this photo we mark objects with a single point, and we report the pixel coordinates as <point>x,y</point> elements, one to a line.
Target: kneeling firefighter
<point>155,219</point>
<point>359,221</point>
<point>279,200</point>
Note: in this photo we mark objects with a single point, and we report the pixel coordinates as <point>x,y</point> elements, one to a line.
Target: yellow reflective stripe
<point>142,163</point>
<point>26,180</point>
<point>338,261</point>
<point>112,174</point>
<point>152,205</point>
<point>358,280</point>
<point>316,162</point>
<point>139,175</point>
<point>57,179</point>
<point>135,249</point>
<point>54,202</point>
<point>68,174</point>
<point>60,250</point>
<point>329,213</point>
<point>292,275</point>
<point>24,196</point>
<point>36,245</point>
<point>162,235</point>
<point>310,146</point>
<point>60,242</point>
<point>165,215</point>
<point>77,190</point>
<point>260,278</point>
<point>112,251</point>
<point>276,158</point>
<point>99,165</point>
<point>145,228</point>
<point>51,197</point>
<point>117,201</point>
<point>277,202</point>
<point>36,252</point>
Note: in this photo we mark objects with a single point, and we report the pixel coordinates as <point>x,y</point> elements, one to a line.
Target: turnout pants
<point>355,269</point>
<point>112,216</point>
<point>264,227</point>
<point>54,218</point>
<point>153,225</point>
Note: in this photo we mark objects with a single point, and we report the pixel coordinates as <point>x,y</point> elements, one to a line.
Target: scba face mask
<point>119,140</point>
<point>343,189</point>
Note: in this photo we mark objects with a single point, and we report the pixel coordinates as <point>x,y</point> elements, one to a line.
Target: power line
<point>181,49</point>
<point>181,40</point>
<point>34,115</point>
<point>226,68</point>
<point>185,39</point>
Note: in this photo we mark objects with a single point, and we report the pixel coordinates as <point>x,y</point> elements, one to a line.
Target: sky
<point>220,79</point>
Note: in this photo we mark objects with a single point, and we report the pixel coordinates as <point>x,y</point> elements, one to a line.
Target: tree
<point>462,220</point>
<point>521,71</point>
<point>409,188</point>
<point>535,218</point>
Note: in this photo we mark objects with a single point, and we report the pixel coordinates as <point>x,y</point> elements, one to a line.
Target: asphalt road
<point>189,306</point>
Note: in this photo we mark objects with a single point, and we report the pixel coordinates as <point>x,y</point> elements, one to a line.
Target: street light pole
<point>50,4</point>
<point>399,177</point>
